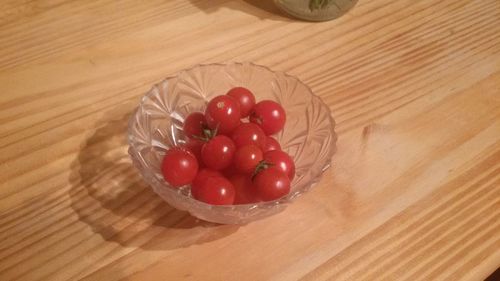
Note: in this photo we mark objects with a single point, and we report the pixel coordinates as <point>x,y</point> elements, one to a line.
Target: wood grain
<point>414,192</point>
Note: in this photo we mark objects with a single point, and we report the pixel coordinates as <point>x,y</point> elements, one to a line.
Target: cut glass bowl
<point>156,125</point>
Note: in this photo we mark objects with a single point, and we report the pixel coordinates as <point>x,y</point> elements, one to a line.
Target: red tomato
<point>282,161</point>
<point>272,144</point>
<point>249,133</point>
<point>194,146</point>
<point>245,191</point>
<point>229,171</point>
<point>271,184</point>
<point>179,167</point>
<point>269,115</point>
<point>218,152</point>
<point>223,113</point>
<point>202,176</point>
<point>246,158</point>
<point>245,98</point>
<point>214,190</point>
<point>194,124</point>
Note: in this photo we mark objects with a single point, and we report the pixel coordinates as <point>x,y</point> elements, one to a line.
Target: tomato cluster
<point>230,156</point>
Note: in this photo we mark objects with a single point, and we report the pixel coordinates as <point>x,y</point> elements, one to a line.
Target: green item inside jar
<point>316,10</point>
<point>318,4</point>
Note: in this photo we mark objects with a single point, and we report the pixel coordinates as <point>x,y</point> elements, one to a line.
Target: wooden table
<point>413,193</point>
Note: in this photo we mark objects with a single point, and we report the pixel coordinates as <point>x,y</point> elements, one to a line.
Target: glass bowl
<point>156,125</point>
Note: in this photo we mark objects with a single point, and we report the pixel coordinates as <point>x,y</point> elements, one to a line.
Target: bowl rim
<point>263,204</point>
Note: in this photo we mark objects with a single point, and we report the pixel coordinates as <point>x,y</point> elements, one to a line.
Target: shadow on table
<point>259,8</point>
<point>108,194</point>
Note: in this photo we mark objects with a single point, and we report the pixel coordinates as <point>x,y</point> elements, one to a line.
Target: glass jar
<point>316,10</point>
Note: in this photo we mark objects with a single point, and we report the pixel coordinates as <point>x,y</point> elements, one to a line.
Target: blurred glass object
<point>316,10</point>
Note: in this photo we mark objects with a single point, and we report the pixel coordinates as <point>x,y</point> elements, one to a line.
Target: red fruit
<point>218,152</point>
<point>282,161</point>
<point>202,176</point>
<point>246,158</point>
<point>229,171</point>
<point>245,191</point>
<point>179,167</point>
<point>223,114</point>
<point>271,184</point>
<point>249,133</point>
<point>214,190</point>
<point>194,125</point>
<point>269,115</point>
<point>272,144</point>
<point>194,146</point>
<point>245,98</point>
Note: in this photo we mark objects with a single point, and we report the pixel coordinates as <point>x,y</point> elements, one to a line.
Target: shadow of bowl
<point>108,194</point>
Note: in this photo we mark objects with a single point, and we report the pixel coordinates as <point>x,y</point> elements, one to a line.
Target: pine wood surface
<point>413,192</point>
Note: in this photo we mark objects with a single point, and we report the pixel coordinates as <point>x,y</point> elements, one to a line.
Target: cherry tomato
<point>271,184</point>
<point>202,176</point>
<point>269,115</point>
<point>194,125</point>
<point>249,133</point>
<point>246,158</point>
<point>218,152</point>
<point>245,98</point>
<point>229,171</point>
<point>245,191</point>
<point>194,146</point>
<point>215,190</point>
<point>179,167</point>
<point>223,113</point>
<point>271,144</point>
<point>282,161</point>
